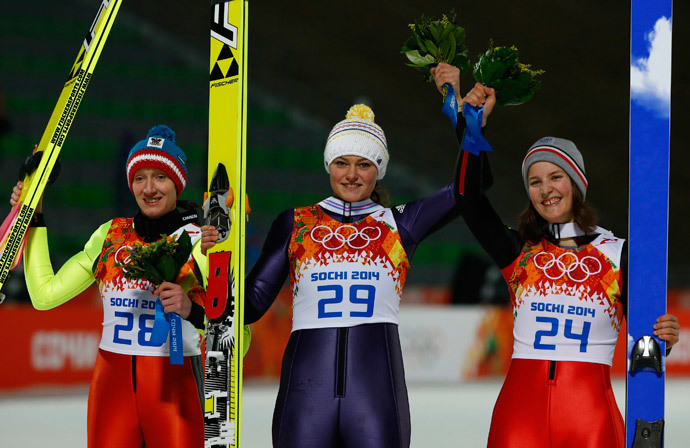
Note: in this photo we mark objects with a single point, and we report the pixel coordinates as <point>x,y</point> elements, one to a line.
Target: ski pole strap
<point>450,105</point>
<point>474,141</point>
<point>164,324</point>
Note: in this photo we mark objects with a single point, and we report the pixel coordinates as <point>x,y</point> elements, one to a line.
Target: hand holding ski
<point>19,192</point>
<point>667,328</point>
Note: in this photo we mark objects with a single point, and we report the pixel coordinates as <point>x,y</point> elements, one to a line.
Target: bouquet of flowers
<point>500,68</point>
<point>158,262</point>
<point>435,41</point>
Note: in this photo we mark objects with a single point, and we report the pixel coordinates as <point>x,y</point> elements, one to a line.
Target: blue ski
<point>650,109</point>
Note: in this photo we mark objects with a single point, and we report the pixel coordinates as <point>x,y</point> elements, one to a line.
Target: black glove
<point>32,162</point>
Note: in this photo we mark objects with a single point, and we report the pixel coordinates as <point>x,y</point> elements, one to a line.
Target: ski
<point>225,208</point>
<point>54,136</point>
<point>25,174</point>
<point>650,98</point>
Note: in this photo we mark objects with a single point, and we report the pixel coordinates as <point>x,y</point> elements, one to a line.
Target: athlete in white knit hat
<point>347,257</point>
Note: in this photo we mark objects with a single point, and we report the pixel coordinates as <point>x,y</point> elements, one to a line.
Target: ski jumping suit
<point>342,379</point>
<point>136,395</point>
<point>567,307</point>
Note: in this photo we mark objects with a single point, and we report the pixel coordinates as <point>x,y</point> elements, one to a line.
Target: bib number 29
<point>567,333</point>
<point>357,294</point>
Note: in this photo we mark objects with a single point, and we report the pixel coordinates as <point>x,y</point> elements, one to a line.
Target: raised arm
<point>418,219</point>
<point>48,289</point>
<point>473,177</point>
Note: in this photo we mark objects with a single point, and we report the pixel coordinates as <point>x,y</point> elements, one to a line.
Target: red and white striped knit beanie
<point>158,150</point>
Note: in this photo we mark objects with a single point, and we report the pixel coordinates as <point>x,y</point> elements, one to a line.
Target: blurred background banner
<point>52,348</point>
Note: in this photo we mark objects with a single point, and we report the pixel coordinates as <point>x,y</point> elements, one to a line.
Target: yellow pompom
<point>360,111</point>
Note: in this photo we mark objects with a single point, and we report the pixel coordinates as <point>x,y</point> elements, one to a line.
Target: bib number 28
<point>362,296</point>
<point>143,334</point>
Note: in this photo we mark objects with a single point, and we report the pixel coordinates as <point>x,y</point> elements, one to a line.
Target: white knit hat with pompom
<point>358,135</point>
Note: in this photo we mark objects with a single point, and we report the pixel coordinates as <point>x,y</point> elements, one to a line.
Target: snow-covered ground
<point>442,416</point>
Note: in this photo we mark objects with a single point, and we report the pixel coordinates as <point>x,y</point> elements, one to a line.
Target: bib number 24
<point>567,333</point>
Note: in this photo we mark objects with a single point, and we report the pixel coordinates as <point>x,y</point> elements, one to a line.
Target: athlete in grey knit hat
<point>560,152</point>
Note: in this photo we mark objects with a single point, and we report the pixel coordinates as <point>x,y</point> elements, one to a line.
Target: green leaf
<point>447,30</point>
<point>433,50</point>
<point>450,51</point>
<point>420,43</point>
<point>462,62</point>
<point>152,275</point>
<point>166,267</point>
<point>443,51</point>
<point>436,32</point>
<point>410,44</point>
<point>184,249</point>
<point>459,34</point>
<point>417,59</point>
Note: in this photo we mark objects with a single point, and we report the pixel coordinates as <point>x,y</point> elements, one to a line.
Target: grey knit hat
<point>561,152</point>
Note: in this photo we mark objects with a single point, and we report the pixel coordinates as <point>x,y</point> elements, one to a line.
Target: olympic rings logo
<point>347,234</point>
<point>126,260</point>
<point>578,270</point>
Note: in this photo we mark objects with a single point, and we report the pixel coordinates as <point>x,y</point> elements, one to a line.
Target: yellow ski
<point>225,209</point>
<point>55,133</point>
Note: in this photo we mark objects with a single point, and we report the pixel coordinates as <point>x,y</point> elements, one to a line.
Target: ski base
<point>219,429</point>
<point>225,209</point>
<point>648,434</point>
